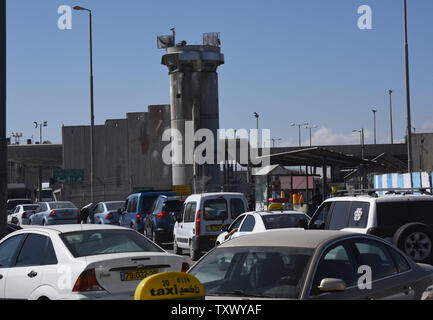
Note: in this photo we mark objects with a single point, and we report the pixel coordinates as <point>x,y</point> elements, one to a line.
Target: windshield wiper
<point>239,293</point>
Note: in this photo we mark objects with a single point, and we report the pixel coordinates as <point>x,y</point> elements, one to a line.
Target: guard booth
<point>276,184</point>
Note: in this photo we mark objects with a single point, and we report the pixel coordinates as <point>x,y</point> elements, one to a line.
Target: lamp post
<point>374,117</point>
<point>92,116</point>
<point>40,125</point>
<point>3,139</point>
<point>273,141</point>
<point>310,128</point>
<point>361,132</point>
<point>299,126</point>
<point>409,124</point>
<point>390,114</point>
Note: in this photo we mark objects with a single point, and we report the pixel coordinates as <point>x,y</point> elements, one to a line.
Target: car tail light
<point>163,214</point>
<point>24,215</point>
<point>52,214</point>
<point>138,217</point>
<point>185,267</point>
<point>87,282</point>
<point>197,224</point>
<point>109,216</point>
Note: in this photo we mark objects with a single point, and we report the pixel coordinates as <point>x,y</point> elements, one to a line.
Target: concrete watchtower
<point>194,99</point>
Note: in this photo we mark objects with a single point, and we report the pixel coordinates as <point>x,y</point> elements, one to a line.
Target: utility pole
<point>299,126</point>
<point>3,140</point>
<point>390,114</point>
<point>409,122</point>
<point>92,115</point>
<point>374,116</point>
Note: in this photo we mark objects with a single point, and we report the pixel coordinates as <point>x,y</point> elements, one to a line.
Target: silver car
<point>107,212</point>
<point>311,264</point>
<point>53,213</point>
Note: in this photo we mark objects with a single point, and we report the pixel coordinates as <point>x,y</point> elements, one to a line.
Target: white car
<point>73,262</point>
<point>255,222</point>
<point>21,214</point>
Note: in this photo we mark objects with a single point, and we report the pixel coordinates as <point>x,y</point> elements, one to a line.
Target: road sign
<point>68,175</point>
<point>184,190</point>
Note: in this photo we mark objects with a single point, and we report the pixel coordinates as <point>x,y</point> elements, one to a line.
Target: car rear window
<point>14,203</point>
<point>62,205</point>
<point>147,203</point>
<point>172,206</point>
<point>215,209</point>
<point>278,221</point>
<point>97,242</point>
<point>114,205</point>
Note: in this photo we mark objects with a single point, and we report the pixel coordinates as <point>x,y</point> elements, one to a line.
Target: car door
<point>8,252</point>
<point>336,262</point>
<point>234,227</point>
<point>247,227</point>
<point>390,280</point>
<point>26,274</point>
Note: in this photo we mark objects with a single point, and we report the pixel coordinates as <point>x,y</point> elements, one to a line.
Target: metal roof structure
<point>319,157</point>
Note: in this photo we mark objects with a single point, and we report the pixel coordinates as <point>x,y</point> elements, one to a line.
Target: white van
<point>202,218</point>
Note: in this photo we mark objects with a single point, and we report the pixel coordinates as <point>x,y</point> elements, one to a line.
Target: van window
<point>339,215</point>
<point>132,205</point>
<point>237,207</point>
<point>189,213</point>
<point>215,209</point>
<point>358,217</point>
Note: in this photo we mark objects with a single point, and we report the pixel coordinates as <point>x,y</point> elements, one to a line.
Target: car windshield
<point>62,205</point>
<point>97,242</point>
<point>276,272</point>
<point>278,221</point>
<point>114,205</point>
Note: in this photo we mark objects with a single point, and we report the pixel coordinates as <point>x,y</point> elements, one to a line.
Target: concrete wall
<point>422,150</point>
<point>128,155</point>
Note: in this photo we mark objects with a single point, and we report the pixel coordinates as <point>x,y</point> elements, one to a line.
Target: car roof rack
<point>387,191</point>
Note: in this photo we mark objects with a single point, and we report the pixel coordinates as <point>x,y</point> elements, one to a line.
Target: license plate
<point>215,228</point>
<point>67,214</point>
<point>137,275</point>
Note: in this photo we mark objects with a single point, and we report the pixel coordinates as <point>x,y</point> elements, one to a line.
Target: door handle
<point>32,274</point>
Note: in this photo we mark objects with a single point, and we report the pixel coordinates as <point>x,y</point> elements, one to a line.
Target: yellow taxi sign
<point>276,206</point>
<point>169,286</point>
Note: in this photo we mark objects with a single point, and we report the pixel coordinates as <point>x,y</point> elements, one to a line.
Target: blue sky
<point>288,60</point>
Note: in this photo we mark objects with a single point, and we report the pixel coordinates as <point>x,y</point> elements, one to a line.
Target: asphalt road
<point>169,248</point>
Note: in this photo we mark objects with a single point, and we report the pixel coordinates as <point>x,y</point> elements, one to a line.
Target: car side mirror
<point>332,285</point>
<point>303,223</point>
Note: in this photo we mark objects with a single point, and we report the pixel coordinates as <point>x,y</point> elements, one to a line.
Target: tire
<point>176,249</point>
<point>193,254</point>
<point>416,240</point>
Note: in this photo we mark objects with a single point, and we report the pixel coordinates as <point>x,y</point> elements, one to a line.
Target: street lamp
<point>92,116</point>
<point>299,126</point>
<point>40,125</point>
<point>390,113</point>
<point>374,116</point>
<point>273,141</point>
<point>409,124</point>
<point>362,141</point>
<point>312,127</point>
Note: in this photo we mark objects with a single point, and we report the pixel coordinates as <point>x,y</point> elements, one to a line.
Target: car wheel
<point>416,240</point>
<point>176,248</point>
<point>193,254</point>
